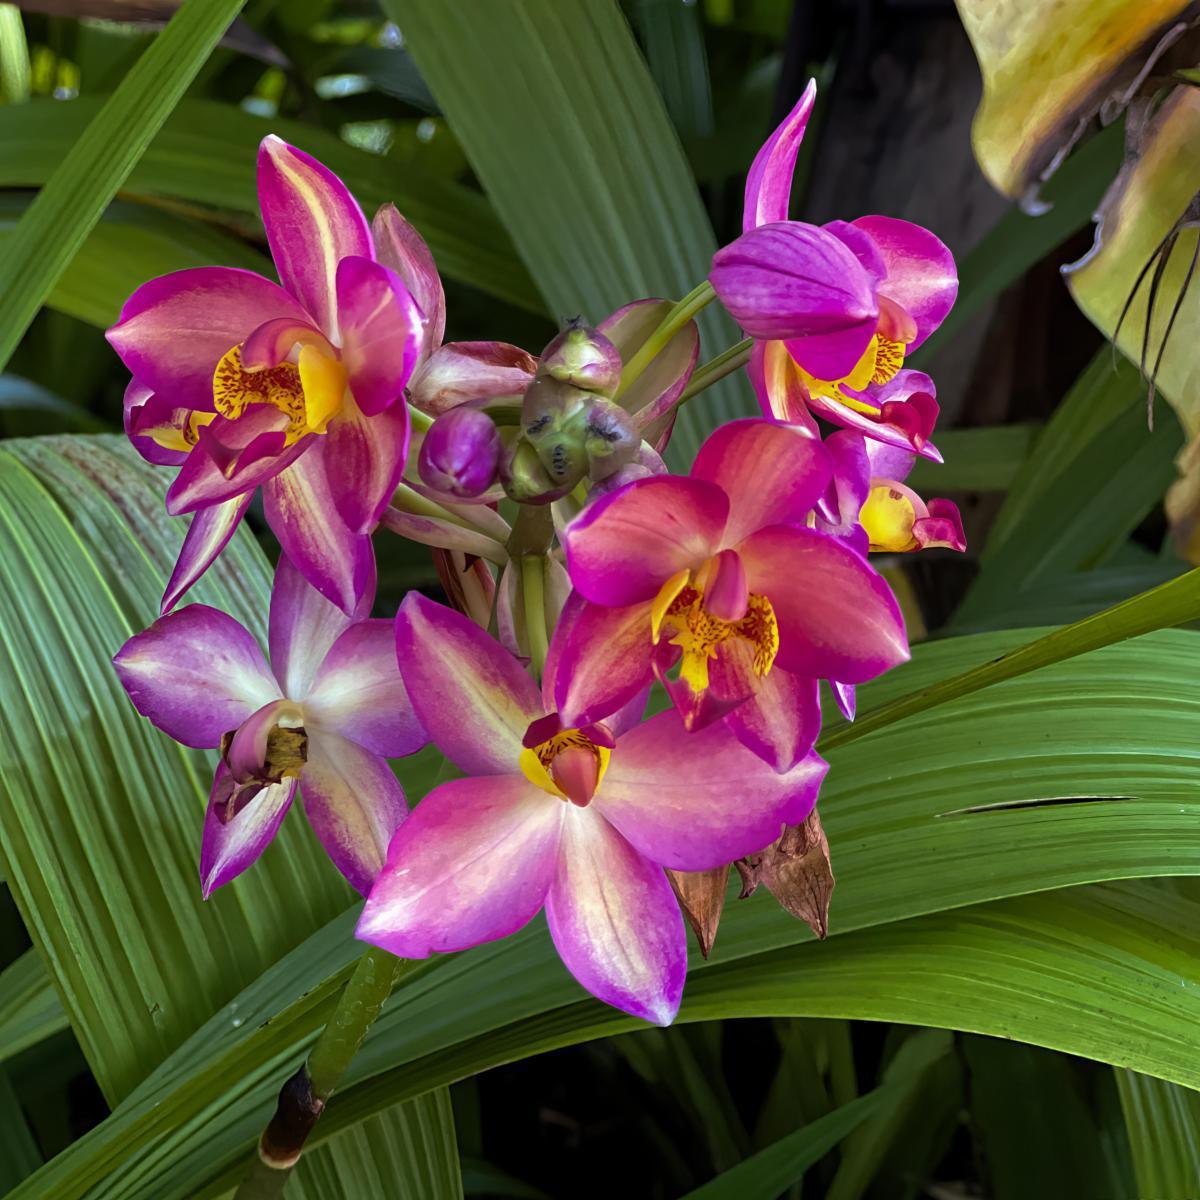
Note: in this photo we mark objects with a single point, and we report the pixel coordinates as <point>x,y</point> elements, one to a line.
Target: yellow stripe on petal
<point>665,598</point>
<point>324,382</point>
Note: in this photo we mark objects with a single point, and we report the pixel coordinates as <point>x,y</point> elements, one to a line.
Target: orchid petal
<point>382,332</point>
<point>921,275</point>
<point>781,721</point>
<point>798,283</point>
<point>442,534</point>
<point>845,695</point>
<point>773,474</point>
<point>615,922</point>
<point>463,372</point>
<point>303,627</point>
<point>837,616</point>
<point>155,426</point>
<point>274,340</point>
<point>769,180</point>
<point>474,699</point>
<point>196,674</point>
<point>207,535</point>
<point>472,863</point>
<point>312,223</point>
<point>691,801</point>
<point>353,802</point>
<point>300,508</point>
<point>359,693</point>
<point>364,462</point>
<point>599,659</point>
<point>229,847</point>
<point>173,331</point>
<point>906,413</point>
<point>851,481</point>
<point>400,248</point>
<point>232,458</point>
<point>779,386</point>
<point>623,548</point>
<point>652,396</point>
<point>861,245</point>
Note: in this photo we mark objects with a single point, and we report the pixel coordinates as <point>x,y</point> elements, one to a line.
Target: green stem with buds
<point>716,369</point>
<point>529,545</point>
<point>302,1099</point>
<point>671,324</point>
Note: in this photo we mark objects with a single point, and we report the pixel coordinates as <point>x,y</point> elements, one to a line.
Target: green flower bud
<point>582,356</point>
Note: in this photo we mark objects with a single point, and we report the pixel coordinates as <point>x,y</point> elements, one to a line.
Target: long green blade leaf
<point>75,197</point>
<point>561,120</point>
<point>1163,1120</point>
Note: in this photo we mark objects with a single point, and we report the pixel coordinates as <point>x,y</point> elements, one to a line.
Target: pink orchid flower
<point>834,310</point>
<point>298,389</point>
<point>327,715</point>
<point>558,813</point>
<point>716,574</point>
<point>869,503</point>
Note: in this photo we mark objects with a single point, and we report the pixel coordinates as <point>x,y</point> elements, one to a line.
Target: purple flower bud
<point>582,356</point>
<point>460,453</point>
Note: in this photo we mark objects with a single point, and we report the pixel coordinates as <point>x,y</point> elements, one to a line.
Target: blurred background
<point>1059,524</point>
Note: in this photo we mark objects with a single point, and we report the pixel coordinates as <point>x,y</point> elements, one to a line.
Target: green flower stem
<point>303,1097</point>
<point>716,369</point>
<point>421,421</point>
<point>672,323</point>
<point>533,594</point>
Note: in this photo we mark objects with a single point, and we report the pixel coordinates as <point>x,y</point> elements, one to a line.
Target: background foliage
<point>1008,1001</point>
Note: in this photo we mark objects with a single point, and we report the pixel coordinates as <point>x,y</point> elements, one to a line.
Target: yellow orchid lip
<point>560,765</point>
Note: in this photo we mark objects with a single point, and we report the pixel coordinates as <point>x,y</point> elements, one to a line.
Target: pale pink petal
<point>312,223</point>
<point>444,534</point>
<point>303,627</point>
<point>921,275</point>
<point>772,474</point>
<point>837,616</point>
<point>359,693</point>
<point>769,180</point>
<point>207,535</point>
<point>196,674</point>
<point>232,458</point>
<point>599,660</point>
<point>691,801</point>
<point>228,848</point>
<point>301,510</point>
<point>382,331</point>
<point>623,548</point>
<point>615,921</point>
<point>402,249</point>
<point>780,389</point>
<point>472,863</point>
<point>845,695</point>
<point>781,721</point>
<point>353,802</point>
<point>652,396</point>
<point>174,330</point>
<point>473,697</point>
<point>364,461</point>
<point>463,372</point>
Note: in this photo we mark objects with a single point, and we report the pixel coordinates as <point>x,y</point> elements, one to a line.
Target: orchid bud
<point>524,478</point>
<point>610,439</point>
<point>461,453</point>
<point>583,357</point>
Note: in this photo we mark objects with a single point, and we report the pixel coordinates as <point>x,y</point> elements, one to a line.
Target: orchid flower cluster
<point>579,571</point>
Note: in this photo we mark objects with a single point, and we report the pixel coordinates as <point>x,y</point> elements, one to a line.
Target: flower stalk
<point>303,1097</point>
<point>716,369</point>
<point>672,323</point>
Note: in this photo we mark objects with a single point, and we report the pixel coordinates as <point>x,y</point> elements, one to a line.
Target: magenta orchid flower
<point>836,309</point>
<point>716,575</point>
<point>574,817</point>
<point>869,503</point>
<point>296,388</point>
<point>327,715</point>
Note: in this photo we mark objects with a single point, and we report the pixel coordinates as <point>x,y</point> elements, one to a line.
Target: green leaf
<point>14,56</point>
<point>482,1178</point>
<point>673,37</point>
<point>30,1010</point>
<point>1163,1120</point>
<point>101,812</point>
<point>405,1153</point>
<point>977,460</point>
<point>20,397</point>
<point>206,153</point>
<point>1036,1152</point>
<point>130,244</point>
<point>1110,973</point>
<point>560,119</point>
<point>19,1155</point>
<point>75,196</point>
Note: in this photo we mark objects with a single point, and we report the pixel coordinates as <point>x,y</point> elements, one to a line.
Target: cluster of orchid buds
<point>582,576</point>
